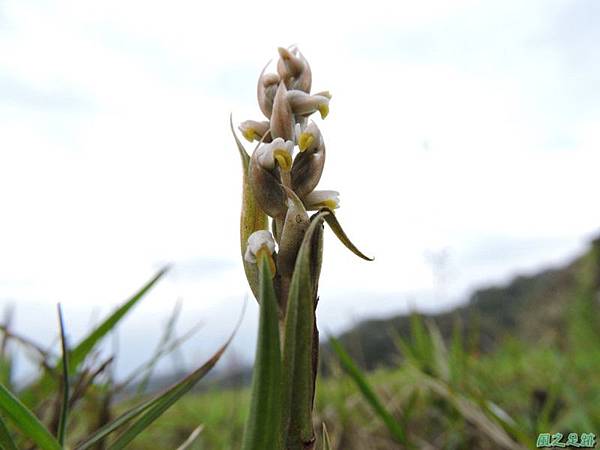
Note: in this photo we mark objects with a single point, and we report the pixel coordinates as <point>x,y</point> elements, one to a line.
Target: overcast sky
<point>463,137</point>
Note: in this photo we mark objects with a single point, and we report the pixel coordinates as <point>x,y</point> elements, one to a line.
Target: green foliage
<point>264,427</point>
<point>26,421</point>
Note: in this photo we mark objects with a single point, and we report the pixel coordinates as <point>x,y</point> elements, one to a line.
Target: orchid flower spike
<point>304,104</point>
<point>260,241</point>
<point>253,130</point>
<point>322,199</point>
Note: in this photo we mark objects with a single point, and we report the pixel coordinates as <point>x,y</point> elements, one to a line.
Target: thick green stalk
<point>299,358</point>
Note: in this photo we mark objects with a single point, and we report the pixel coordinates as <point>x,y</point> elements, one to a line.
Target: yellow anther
<point>250,134</point>
<point>283,158</point>
<point>305,141</point>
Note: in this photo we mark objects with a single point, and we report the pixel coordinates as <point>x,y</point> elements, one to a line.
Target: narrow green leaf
<point>252,217</point>
<point>6,441</point>
<point>335,226</point>
<point>26,421</point>
<point>298,355</point>
<point>64,408</point>
<point>153,408</point>
<point>79,353</point>
<point>316,258</point>
<point>263,426</point>
<point>326,440</point>
<point>368,393</point>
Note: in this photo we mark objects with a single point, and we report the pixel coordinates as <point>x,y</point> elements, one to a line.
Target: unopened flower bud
<point>260,241</point>
<point>289,65</point>
<point>266,89</point>
<point>253,130</point>
<point>304,104</point>
<point>322,199</point>
<point>282,118</point>
<point>294,69</point>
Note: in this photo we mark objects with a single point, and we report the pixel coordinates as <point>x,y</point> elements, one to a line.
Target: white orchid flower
<point>279,151</point>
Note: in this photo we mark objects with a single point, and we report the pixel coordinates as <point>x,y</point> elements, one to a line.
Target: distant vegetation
<point>536,310</point>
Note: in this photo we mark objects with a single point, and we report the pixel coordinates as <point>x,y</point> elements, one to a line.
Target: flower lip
<point>309,138</point>
<point>254,130</point>
<point>304,104</point>
<point>279,151</point>
<point>322,199</point>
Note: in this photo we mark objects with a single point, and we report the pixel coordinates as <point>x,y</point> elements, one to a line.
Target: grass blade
<point>191,438</point>
<point>6,441</point>
<point>368,393</point>
<point>263,427</point>
<point>64,409</point>
<point>26,421</point>
<point>80,351</point>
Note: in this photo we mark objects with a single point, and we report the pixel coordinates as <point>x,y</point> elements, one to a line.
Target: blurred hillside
<point>533,309</point>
